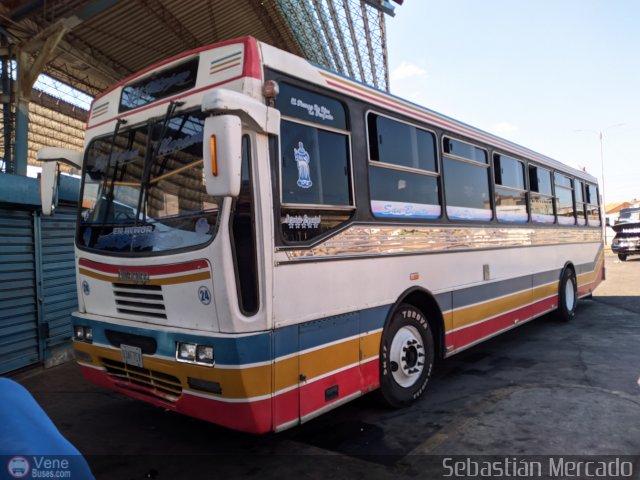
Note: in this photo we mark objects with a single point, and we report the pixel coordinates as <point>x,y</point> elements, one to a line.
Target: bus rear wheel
<point>567,295</point>
<point>622,257</point>
<point>406,357</point>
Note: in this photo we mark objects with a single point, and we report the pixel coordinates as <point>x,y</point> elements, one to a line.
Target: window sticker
<point>389,209</point>
<point>315,110</point>
<point>303,221</point>
<point>542,218</point>
<point>566,220</point>
<point>516,214</point>
<point>302,160</point>
<point>468,213</point>
<point>311,106</point>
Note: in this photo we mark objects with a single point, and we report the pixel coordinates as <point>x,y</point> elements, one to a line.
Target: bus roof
<point>258,54</point>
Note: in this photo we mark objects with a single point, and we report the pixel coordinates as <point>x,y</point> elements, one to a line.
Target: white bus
<point>262,240</point>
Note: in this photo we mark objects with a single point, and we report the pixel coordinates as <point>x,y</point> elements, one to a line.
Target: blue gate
<point>37,273</point>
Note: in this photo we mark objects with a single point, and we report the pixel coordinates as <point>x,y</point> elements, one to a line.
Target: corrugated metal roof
<point>131,35</point>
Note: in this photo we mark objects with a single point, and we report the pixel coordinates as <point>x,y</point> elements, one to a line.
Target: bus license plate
<point>132,355</point>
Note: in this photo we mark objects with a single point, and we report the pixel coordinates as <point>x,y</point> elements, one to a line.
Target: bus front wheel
<point>406,357</point>
<point>622,257</point>
<point>567,295</point>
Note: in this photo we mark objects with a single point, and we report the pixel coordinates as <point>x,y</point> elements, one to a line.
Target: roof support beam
<point>40,48</point>
<point>367,32</point>
<point>26,76</point>
<point>340,35</point>
<point>322,17</point>
<point>170,20</point>
<point>353,40</point>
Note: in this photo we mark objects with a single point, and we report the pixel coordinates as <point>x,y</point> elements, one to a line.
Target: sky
<point>531,71</point>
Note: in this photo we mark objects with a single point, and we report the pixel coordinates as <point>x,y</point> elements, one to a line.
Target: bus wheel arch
<point>411,341</point>
<point>567,293</point>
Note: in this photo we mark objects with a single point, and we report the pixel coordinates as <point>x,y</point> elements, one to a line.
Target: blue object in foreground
<point>30,444</point>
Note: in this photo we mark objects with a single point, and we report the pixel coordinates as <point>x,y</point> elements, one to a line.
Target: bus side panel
<point>589,280</point>
<point>286,377</point>
<point>324,363</point>
<point>236,392</point>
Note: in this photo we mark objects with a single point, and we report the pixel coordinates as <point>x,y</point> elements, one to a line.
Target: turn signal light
<point>214,157</point>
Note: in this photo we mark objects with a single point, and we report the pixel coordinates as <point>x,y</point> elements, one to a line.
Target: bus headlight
<point>204,354</point>
<point>186,352</point>
<point>193,353</point>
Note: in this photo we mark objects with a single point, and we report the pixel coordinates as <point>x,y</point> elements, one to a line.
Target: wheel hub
<point>407,356</point>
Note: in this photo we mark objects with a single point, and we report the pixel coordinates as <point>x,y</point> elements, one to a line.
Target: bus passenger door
<point>329,363</point>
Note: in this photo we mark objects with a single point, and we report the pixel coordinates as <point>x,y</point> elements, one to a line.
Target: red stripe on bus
<point>588,288</point>
<point>475,333</point>
<point>252,417</point>
<point>150,269</point>
<point>251,61</point>
<point>313,395</point>
<point>285,408</point>
<point>251,68</point>
<point>164,101</point>
<point>433,120</point>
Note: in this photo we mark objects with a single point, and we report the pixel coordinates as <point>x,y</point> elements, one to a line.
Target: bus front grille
<point>139,300</point>
<point>144,381</point>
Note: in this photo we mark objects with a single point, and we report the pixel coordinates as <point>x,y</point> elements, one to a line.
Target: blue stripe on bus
<point>218,60</point>
<point>232,350</point>
<point>254,348</point>
<point>267,346</point>
<point>295,338</point>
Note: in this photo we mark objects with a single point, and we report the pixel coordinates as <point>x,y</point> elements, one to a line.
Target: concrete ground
<point>543,388</point>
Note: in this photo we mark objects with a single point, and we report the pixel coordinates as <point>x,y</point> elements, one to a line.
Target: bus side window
<point>403,174</point>
<point>466,181</point>
<point>581,206</point>
<point>511,193</point>
<point>593,210</point>
<point>541,196</point>
<point>564,199</point>
<point>243,236</point>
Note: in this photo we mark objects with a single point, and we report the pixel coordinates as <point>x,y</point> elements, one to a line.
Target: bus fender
<point>426,302</point>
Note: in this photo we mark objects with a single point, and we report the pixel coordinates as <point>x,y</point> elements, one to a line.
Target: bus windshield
<point>143,188</point>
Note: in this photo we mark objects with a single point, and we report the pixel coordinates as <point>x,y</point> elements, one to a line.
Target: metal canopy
<point>113,39</point>
<point>92,44</point>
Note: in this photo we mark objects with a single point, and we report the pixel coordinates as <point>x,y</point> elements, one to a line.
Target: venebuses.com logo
<point>18,467</point>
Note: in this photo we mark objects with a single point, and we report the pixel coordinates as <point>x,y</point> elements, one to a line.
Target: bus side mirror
<point>222,154</point>
<point>49,181</point>
<point>50,177</point>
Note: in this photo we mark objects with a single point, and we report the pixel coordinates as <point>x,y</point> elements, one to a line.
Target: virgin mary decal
<point>302,160</point>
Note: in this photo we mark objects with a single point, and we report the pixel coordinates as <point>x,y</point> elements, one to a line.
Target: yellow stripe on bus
<point>235,383</point>
<point>194,277</point>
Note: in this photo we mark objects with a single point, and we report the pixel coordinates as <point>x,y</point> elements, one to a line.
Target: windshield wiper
<point>110,193</point>
<point>149,160</point>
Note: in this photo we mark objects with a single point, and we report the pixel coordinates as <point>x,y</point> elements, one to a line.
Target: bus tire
<point>567,295</point>
<point>622,257</point>
<point>406,357</point>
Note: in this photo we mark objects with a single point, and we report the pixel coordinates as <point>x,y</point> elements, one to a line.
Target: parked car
<point>627,240</point>
<point>629,215</point>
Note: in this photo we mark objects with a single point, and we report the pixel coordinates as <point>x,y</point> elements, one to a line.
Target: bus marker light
<point>82,334</point>
<point>78,332</point>
<point>214,157</point>
<point>414,276</point>
<point>270,89</point>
